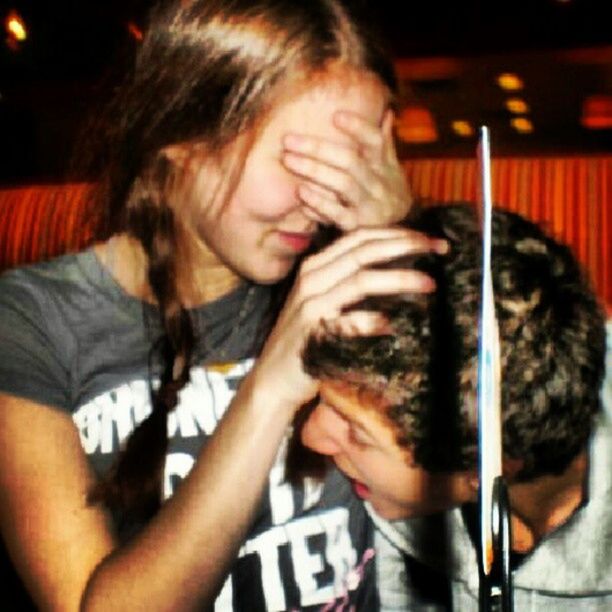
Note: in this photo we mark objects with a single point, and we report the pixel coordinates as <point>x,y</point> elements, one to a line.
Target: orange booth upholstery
<point>570,196</point>
<point>41,221</point>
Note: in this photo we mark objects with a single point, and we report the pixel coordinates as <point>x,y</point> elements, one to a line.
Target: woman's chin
<point>267,271</point>
<point>271,274</point>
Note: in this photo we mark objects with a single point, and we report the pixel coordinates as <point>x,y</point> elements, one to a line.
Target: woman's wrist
<point>275,396</point>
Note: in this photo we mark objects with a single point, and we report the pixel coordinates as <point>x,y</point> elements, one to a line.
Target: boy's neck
<point>542,505</point>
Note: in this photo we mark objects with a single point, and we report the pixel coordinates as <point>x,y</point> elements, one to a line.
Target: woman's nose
<point>323,431</point>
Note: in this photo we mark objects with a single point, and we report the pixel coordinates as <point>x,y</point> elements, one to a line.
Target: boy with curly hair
<point>397,414</point>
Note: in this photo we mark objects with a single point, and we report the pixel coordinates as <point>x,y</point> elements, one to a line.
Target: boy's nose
<point>323,431</point>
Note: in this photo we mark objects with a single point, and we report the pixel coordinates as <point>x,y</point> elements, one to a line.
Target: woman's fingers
<point>366,283</point>
<point>328,206</point>
<point>330,282</point>
<point>316,215</point>
<point>369,136</point>
<point>369,246</point>
<point>334,154</point>
<point>354,265</point>
<point>346,182</point>
<point>388,147</point>
<point>356,184</point>
<point>345,273</point>
<point>357,323</point>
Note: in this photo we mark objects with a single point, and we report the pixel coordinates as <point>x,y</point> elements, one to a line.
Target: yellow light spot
<point>135,31</point>
<point>462,128</point>
<point>522,125</point>
<point>518,106</point>
<point>509,81</point>
<point>15,26</point>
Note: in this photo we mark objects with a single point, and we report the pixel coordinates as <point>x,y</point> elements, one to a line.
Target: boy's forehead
<point>365,408</point>
<point>349,397</point>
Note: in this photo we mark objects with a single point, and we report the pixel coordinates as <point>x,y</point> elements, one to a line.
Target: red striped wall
<point>570,196</point>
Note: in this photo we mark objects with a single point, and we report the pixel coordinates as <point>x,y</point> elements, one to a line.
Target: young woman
<point>244,126</point>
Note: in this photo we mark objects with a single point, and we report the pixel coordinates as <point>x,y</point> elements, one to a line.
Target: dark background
<point>451,52</point>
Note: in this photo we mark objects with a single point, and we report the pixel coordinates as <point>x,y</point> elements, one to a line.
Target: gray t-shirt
<point>71,338</point>
<point>430,564</point>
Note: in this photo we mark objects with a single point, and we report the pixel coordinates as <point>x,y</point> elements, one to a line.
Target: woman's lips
<point>360,489</point>
<point>295,241</point>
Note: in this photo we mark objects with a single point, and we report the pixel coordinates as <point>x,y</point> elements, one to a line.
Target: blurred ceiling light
<point>509,81</point>
<point>462,128</point>
<point>15,27</point>
<point>597,112</point>
<point>134,31</point>
<point>518,106</point>
<point>415,124</point>
<point>522,125</point>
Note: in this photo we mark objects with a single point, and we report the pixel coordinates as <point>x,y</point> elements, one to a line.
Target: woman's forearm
<point>180,559</point>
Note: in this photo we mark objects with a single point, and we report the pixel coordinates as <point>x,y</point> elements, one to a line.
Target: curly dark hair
<point>552,335</point>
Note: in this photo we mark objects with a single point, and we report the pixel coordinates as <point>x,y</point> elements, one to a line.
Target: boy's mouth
<point>360,489</point>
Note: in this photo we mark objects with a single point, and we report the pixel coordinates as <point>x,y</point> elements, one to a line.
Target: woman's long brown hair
<point>207,72</point>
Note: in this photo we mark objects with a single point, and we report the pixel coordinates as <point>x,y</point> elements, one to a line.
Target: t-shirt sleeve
<point>34,345</point>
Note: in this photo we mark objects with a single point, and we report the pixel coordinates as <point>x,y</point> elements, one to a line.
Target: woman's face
<point>261,230</point>
<point>351,427</point>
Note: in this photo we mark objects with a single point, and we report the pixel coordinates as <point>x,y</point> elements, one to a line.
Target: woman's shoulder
<point>71,282</point>
<point>43,304</point>
<point>61,320</point>
<point>35,333</point>
<point>47,276</point>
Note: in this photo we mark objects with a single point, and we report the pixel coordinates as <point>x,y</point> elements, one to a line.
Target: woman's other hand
<point>328,283</point>
<point>350,186</point>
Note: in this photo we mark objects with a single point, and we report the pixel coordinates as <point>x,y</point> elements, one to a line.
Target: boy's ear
<point>511,467</point>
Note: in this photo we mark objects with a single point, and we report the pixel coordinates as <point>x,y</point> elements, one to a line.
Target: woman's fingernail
<point>427,284</point>
<point>442,247</point>
<point>383,327</point>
